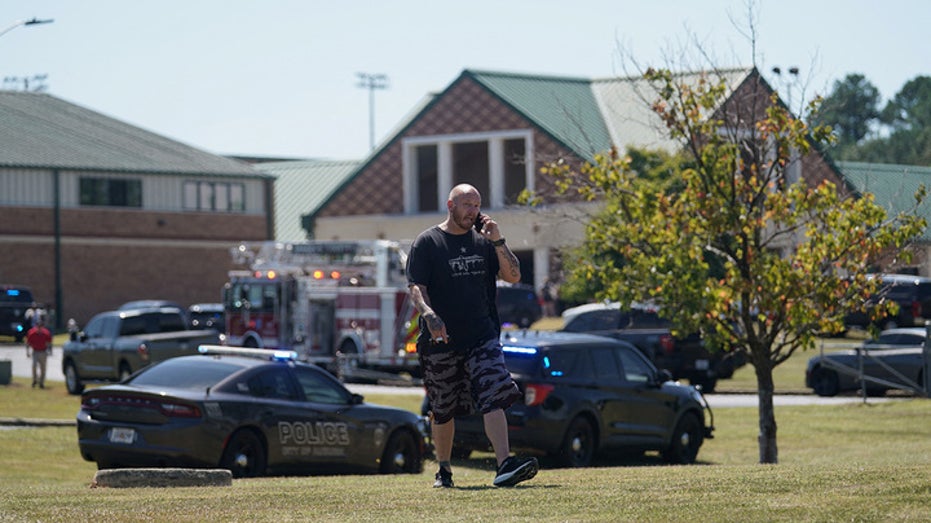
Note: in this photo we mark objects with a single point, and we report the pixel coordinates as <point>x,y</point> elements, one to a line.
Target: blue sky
<point>279,77</point>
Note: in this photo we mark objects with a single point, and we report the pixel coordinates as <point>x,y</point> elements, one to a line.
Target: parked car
<point>207,316</point>
<point>894,360</point>
<point>518,304</point>
<point>252,411</point>
<point>911,293</point>
<point>585,394</point>
<point>15,300</point>
<point>684,357</point>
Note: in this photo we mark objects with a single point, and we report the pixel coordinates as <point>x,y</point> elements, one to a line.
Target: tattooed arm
<point>509,270</point>
<point>421,302</point>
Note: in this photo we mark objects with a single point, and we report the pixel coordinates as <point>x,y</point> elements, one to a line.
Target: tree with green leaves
<point>756,256</point>
<point>852,110</point>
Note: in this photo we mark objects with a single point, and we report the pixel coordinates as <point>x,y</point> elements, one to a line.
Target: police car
<point>252,411</point>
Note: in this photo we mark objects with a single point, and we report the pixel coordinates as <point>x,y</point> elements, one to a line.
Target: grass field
<point>854,462</point>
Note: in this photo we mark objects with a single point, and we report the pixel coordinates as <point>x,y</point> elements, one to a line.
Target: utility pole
<point>372,82</point>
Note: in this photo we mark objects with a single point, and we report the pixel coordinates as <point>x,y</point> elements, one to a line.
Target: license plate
<point>701,364</point>
<point>121,435</point>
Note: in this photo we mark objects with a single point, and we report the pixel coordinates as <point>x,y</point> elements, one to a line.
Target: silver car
<point>894,360</point>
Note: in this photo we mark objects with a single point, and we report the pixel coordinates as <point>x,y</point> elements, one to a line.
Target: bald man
<point>452,271</point>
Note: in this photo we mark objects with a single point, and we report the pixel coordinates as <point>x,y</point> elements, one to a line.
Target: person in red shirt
<point>39,343</point>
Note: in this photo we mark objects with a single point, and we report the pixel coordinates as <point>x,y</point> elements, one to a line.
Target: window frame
<point>445,145</point>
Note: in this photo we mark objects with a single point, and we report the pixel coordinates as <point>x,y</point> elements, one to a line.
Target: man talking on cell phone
<point>451,271</point>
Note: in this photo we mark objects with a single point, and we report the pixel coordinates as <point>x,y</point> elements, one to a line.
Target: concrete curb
<point>161,478</point>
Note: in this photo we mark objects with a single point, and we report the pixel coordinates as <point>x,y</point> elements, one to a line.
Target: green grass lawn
<point>852,462</point>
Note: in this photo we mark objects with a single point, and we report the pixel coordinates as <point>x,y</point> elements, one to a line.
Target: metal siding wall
<point>159,192</point>
<point>26,187</point>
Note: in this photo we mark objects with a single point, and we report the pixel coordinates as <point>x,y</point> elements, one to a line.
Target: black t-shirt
<point>459,272</point>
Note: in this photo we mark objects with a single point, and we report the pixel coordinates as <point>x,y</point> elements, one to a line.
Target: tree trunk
<point>769,452</point>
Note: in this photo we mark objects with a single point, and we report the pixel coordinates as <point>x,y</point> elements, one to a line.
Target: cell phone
<point>479,222</point>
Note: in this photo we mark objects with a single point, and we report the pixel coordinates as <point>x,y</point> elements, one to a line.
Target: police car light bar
<point>278,355</point>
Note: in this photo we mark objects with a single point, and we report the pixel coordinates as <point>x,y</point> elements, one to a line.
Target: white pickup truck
<point>116,344</point>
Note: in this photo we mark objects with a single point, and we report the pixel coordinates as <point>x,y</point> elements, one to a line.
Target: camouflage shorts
<point>459,383</point>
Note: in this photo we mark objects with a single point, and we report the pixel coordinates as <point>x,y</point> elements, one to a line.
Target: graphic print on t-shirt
<point>462,265</point>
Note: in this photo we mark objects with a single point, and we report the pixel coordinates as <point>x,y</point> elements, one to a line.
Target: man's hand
<point>437,328</point>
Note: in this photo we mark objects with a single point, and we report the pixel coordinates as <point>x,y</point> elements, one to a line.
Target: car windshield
<point>184,373</point>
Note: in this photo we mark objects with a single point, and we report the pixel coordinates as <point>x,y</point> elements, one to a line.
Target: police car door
<point>334,437</point>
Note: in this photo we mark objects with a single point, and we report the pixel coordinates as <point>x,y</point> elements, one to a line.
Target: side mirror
<point>357,399</point>
<point>663,376</point>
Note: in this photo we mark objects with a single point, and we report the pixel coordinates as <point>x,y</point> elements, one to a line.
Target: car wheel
<point>125,371</point>
<point>825,382</point>
<point>72,380</point>
<point>461,452</point>
<point>687,438</point>
<point>524,320</point>
<point>578,447</point>
<point>244,455</point>
<point>707,384</point>
<point>401,455</point>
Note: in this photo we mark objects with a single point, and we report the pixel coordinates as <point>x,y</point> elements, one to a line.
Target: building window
<point>427,173</point>
<point>214,196</point>
<point>111,192</point>
<point>470,165</point>
<point>498,164</point>
<point>515,170</point>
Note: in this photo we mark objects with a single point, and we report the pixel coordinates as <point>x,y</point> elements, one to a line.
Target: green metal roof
<point>301,188</point>
<point>589,115</point>
<point>38,130</point>
<point>893,186</point>
<point>564,107</point>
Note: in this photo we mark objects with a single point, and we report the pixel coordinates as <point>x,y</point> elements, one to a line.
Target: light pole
<point>372,82</point>
<point>787,84</point>
<point>25,21</point>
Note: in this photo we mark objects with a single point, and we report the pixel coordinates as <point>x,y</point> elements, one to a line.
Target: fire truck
<point>341,304</point>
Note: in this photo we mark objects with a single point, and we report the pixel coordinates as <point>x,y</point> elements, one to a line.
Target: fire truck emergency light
<point>319,274</point>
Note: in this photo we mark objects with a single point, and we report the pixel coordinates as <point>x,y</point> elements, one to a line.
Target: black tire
<point>707,385</point>
<point>245,455</point>
<point>825,382</point>
<point>125,371</point>
<point>401,455</point>
<point>460,452</point>
<point>578,446</point>
<point>524,319</point>
<point>687,438</point>
<point>72,379</point>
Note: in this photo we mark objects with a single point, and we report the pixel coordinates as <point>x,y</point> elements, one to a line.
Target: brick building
<point>95,212</point>
<point>496,130</point>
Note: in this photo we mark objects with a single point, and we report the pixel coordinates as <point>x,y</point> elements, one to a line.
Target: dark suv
<point>15,300</point>
<point>518,304</point>
<point>911,293</point>
<point>584,394</point>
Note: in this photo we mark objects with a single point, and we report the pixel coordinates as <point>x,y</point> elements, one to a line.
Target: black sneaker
<point>514,470</point>
<point>444,479</point>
